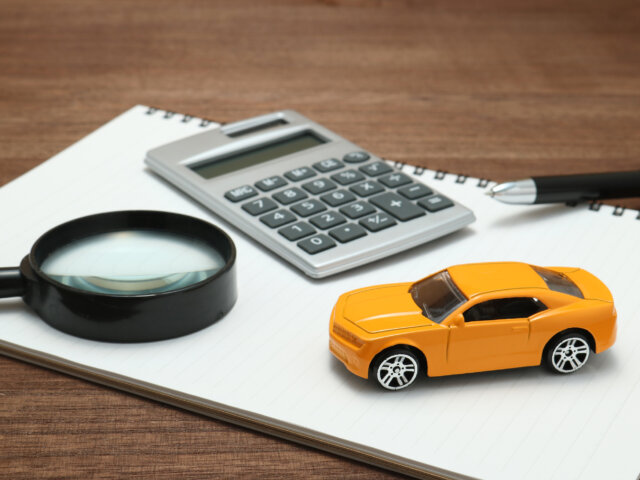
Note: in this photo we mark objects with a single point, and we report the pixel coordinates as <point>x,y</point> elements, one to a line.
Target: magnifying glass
<point>128,276</point>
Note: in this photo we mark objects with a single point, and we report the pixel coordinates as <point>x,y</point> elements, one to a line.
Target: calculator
<point>317,200</point>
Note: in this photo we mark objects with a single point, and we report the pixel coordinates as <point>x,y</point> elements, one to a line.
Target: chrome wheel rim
<point>570,354</point>
<point>397,371</point>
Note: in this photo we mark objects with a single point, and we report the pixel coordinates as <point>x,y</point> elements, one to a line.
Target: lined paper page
<point>270,356</point>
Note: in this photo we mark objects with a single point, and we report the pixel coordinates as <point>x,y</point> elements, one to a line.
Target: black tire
<point>396,368</point>
<point>567,353</point>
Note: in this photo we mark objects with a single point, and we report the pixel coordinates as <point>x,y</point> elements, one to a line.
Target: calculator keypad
<point>308,207</point>
<point>271,183</point>
<point>368,188</point>
<point>277,218</point>
<point>296,231</point>
<point>374,197</point>
<point>316,244</point>
<point>319,186</point>
<point>290,195</point>
<point>298,174</point>
<point>347,177</point>
<point>327,220</point>
<point>328,165</point>
<point>259,205</point>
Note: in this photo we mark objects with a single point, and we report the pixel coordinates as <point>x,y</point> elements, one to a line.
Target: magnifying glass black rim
<point>140,317</point>
<point>148,217</point>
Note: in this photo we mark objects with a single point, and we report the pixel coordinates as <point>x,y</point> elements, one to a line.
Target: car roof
<point>477,278</point>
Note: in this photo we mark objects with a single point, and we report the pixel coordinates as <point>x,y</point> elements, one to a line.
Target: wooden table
<point>491,89</point>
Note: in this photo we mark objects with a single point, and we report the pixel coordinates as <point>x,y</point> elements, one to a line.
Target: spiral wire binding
<point>618,210</point>
<point>186,118</point>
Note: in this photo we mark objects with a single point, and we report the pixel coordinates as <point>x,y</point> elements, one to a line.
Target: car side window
<point>502,308</point>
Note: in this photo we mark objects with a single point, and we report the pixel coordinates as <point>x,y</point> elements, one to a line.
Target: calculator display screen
<point>254,156</point>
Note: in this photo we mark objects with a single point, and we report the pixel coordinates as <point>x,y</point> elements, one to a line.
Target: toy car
<point>473,318</point>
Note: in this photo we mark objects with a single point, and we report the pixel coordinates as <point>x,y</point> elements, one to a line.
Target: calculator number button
<point>377,222</point>
<point>298,174</point>
<point>260,205</point>
<point>347,177</point>
<point>296,231</point>
<point>271,183</point>
<point>357,209</point>
<point>277,218</point>
<point>327,220</point>
<point>337,198</point>
<point>365,189</point>
<point>375,169</point>
<point>414,191</point>
<point>395,205</point>
<point>435,203</point>
<point>347,233</point>
<point>328,165</point>
<point>319,186</point>
<point>290,195</point>
<point>395,180</point>
<point>316,244</point>
<point>241,193</point>
<point>308,207</point>
<point>356,157</point>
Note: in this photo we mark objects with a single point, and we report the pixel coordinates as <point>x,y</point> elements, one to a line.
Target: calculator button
<point>277,218</point>
<point>417,190</point>
<point>347,177</point>
<point>327,220</point>
<point>435,203</point>
<point>328,165</point>
<point>377,222</point>
<point>271,183</point>
<point>290,195</point>
<point>395,180</point>
<point>296,231</point>
<point>367,188</point>
<point>319,186</point>
<point>259,205</point>
<point>240,193</point>
<point>337,198</point>
<point>375,169</point>
<point>357,209</point>
<point>346,233</point>
<point>395,205</point>
<point>308,207</point>
<point>298,174</point>
<point>316,244</point>
<point>356,157</point>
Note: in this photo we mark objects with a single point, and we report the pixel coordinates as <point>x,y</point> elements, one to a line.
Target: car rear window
<point>558,282</point>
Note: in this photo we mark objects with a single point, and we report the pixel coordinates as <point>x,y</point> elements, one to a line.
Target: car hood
<point>383,308</point>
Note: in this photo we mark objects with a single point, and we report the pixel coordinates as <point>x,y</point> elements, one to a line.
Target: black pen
<point>568,188</point>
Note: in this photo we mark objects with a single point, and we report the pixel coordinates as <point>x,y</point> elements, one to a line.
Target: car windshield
<point>558,282</point>
<point>437,296</point>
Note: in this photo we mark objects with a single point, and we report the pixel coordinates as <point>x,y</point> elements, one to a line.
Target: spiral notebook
<point>267,366</point>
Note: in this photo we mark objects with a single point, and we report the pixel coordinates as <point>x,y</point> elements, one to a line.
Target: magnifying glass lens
<point>133,262</point>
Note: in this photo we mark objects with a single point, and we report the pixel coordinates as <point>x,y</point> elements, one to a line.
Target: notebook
<point>267,366</point>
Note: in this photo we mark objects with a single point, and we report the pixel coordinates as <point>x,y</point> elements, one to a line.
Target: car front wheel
<point>568,353</point>
<point>396,369</point>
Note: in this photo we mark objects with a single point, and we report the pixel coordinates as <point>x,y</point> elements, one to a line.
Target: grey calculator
<point>317,200</point>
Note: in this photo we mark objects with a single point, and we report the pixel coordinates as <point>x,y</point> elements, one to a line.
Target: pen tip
<point>489,193</point>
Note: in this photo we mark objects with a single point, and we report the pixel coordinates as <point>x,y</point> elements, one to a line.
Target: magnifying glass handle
<point>11,283</point>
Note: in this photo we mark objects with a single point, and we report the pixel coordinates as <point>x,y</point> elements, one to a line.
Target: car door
<point>494,335</point>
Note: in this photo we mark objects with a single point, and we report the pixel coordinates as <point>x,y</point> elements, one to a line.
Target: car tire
<point>567,353</point>
<point>396,368</point>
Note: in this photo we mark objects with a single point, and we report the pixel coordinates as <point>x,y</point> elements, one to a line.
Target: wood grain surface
<point>494,89</point>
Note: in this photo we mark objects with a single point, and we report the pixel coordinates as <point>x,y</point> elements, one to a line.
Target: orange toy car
<point>472,318</point>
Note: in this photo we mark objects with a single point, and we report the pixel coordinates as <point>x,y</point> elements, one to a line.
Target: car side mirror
<point>457,320</point>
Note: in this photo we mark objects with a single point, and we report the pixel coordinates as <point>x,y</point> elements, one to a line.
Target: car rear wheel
<point>396,369</point>
<point>568,353</point>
